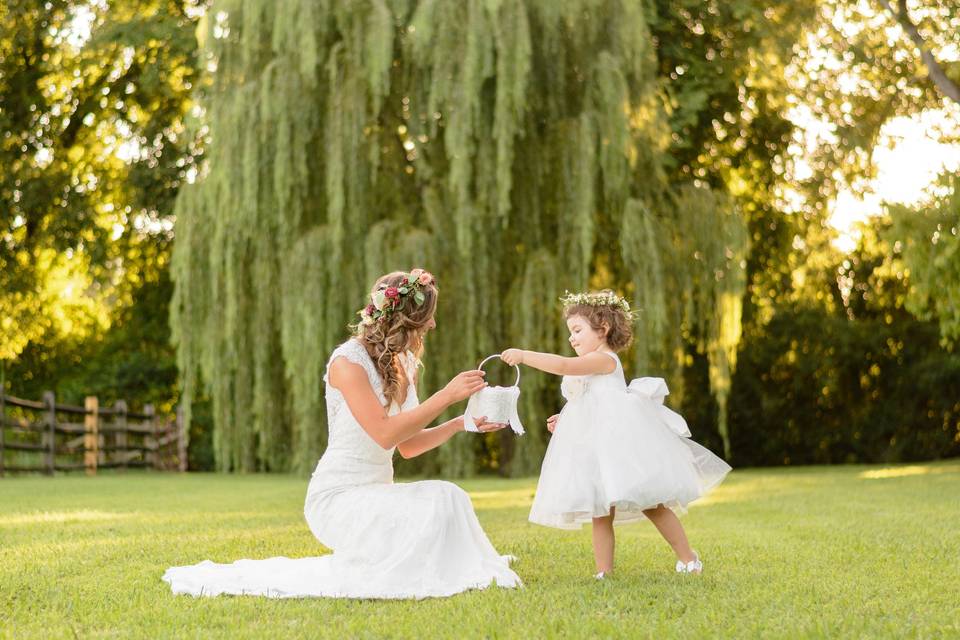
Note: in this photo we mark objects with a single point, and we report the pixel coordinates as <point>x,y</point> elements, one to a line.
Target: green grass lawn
<point>805,552</point>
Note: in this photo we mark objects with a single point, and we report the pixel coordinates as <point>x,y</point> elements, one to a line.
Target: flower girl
<point>617,454</point>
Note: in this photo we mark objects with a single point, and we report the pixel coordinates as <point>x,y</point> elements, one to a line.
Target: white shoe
<point>694,566</point>
<point>600,576</point>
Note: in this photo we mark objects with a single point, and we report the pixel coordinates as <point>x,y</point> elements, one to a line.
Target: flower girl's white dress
<point>618,446</point>
<point>403,540</point>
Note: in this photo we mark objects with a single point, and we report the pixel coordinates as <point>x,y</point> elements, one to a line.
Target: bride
<point>389,540</point>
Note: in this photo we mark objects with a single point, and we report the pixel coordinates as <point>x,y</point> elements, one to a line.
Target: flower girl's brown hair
<point>606,312</point>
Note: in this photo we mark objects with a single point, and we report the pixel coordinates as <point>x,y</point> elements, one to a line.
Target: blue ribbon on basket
<point>655,389</point>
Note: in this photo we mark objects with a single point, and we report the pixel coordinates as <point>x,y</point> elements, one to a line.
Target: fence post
<point>120,435</point>
<point>49,434</point>
<point>182,439</point>
<point>91,435</point>
<point>153,455</point>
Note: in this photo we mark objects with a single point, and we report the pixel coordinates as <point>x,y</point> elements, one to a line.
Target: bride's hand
<point>465,385</point>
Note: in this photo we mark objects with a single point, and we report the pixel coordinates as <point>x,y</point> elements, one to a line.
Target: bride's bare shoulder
<point>346,367</point>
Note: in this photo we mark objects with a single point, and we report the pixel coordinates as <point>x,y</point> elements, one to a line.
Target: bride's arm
<point>389,431</point>
<point>430,438</point>
<point>435,436</point>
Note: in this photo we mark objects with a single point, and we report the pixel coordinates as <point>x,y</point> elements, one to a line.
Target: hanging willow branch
<point>502,145</point>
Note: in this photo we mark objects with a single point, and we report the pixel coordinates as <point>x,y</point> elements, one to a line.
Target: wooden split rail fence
<point>45,436</point>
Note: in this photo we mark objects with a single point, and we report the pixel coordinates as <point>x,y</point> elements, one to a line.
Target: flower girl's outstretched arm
<point>584,365</point>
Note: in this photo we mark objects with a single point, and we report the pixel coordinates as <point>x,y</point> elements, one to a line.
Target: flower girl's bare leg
<point>603,542</point>
<point>668,524</point>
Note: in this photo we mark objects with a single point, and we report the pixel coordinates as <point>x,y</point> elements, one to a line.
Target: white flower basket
<point>498,404</point>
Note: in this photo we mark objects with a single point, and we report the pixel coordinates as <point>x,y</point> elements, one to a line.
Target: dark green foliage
<point>855,378</point>
<point>93,151</point>
<point>818,388</point>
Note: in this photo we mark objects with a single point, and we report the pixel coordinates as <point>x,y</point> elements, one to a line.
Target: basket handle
<point>497,355</point>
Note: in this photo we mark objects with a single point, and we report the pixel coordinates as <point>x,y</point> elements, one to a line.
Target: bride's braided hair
<point>392,324</point>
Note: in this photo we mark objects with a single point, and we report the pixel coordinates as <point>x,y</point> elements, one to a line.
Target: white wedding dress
<point>617,445</point>
<point>389,540</point>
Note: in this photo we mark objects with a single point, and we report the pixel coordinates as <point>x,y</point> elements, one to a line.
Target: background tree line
<point>517,149</point>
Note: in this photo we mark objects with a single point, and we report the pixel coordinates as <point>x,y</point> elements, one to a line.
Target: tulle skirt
<point>613,449</point>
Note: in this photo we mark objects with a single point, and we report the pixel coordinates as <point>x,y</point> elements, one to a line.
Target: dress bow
<point>655,389</point>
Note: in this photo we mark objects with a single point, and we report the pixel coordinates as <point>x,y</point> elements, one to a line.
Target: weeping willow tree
<point>515,149</point>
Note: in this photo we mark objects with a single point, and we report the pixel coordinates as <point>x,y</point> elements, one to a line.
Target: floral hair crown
<point>601,299</point>
<point>386,299</point>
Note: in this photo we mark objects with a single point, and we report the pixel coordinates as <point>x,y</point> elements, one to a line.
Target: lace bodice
<point>352,456</point>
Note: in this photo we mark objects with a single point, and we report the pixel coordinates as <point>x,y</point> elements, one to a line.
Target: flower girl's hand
<point>464,385</point>
<point>512,356</point>
<point>486,427</point>
<point>552,422</point>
